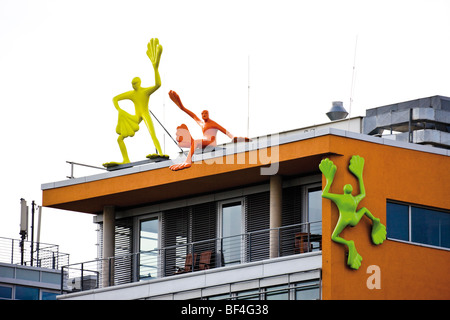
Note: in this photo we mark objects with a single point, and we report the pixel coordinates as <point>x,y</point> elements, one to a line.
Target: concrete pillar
<point>276,192</point>
<point>108,245</point>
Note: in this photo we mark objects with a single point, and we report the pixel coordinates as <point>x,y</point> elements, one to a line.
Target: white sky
<point>62,62</point>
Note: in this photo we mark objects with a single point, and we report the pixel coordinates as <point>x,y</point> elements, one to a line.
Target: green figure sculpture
<point>347,205</point>
<point>128,124</point>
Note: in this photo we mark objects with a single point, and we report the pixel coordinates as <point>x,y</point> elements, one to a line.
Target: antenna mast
<point>353,78</point>
<point>248,96</point>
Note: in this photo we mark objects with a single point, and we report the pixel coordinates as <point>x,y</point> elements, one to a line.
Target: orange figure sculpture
<point>209,129</point>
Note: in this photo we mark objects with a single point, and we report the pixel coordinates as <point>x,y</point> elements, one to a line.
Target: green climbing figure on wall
<point>347,205</point>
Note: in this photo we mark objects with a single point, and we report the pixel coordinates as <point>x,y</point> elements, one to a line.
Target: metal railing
<point>192,257</point>
<point>37,254</point>
<point>82,165</point>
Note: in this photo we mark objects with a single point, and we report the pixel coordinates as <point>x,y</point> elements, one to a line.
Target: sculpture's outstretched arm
<point>228,133</point>
<point>176,99</point>
<point>356,167</point>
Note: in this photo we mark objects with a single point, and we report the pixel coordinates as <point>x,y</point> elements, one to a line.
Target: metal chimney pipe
<point>337,111</point>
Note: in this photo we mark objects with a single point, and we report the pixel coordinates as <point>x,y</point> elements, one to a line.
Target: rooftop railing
<point>37,254</point>
<point>192,257</point>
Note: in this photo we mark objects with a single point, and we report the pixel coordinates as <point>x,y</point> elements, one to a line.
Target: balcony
<point>186,258</point>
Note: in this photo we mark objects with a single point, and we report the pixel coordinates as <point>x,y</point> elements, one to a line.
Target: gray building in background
<point>423,121</point>
<point>26,278</point>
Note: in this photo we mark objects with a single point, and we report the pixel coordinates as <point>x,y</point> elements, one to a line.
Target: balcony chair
<point>301,243</point>
<point>189,263</point>
<point>205,260</point>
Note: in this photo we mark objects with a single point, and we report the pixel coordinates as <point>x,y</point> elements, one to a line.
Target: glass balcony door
<point>314,209</point>
<point>231,230</point>
<point>148,248</point>
<point>314,203</point>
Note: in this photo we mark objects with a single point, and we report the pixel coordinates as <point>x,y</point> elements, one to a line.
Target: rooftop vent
<point>337,111</point>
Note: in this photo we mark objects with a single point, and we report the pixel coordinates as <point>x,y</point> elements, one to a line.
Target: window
<point>46,295</point>
<point>25,274</point>
<point>312,214</point>
<point>48,277</point>
<point>175,237</point>
<point>6,272</point>
<point>314,207</point>
<point>225,296</point>
<point>430,227</point>
<point>418,224</point>
<point>307,290</point>
<point>27,293</point>
<point>5,293</point>
<point>231,229</point>
<point>277,293</point>
<point>257,218</point>
<point>397,220</point>
<point>248,295</point>
<point>203,228</point>
<point>148,248</point>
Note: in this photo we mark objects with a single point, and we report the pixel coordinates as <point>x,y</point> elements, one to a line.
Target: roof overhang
<point>155,183</point>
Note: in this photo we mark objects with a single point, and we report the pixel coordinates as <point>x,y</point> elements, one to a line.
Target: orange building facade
<point>404,174</point>
<point>406,270</point>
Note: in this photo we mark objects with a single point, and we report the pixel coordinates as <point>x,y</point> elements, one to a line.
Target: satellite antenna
<point>23,217</point>
<point>23,226</point>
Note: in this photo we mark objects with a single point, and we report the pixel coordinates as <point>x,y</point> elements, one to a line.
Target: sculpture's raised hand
<point>328,169</point>
<point>154,51</point>
<point>175,98</point>
<point>356,166</point>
